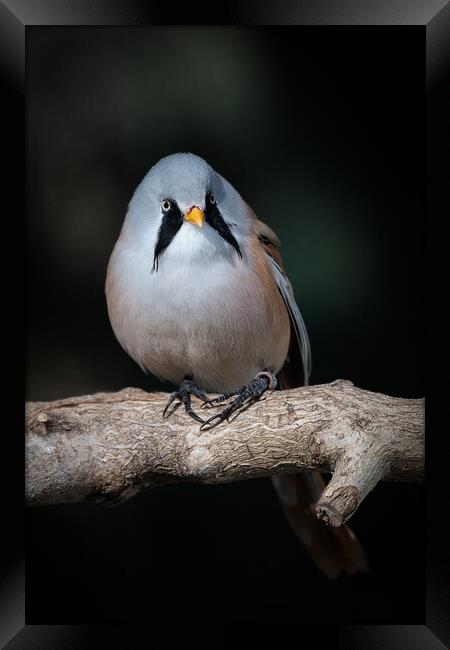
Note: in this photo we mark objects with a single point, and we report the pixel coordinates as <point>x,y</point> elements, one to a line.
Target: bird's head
<point>184,211</point>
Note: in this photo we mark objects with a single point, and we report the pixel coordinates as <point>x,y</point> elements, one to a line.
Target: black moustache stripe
<point>170,225</point>
<point>216,221</point>
<point>173,220</point>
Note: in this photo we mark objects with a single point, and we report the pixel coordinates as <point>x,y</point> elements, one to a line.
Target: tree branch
<point>109,446</point>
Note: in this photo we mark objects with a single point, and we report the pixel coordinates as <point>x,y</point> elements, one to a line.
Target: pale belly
<point>218,328</point>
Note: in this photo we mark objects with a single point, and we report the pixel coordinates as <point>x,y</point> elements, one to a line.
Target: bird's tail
<point>333,549</point>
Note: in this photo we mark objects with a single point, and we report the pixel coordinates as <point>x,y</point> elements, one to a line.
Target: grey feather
<point>301,333</point>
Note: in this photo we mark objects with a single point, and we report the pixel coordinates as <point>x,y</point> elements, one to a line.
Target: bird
<point>198,296</point>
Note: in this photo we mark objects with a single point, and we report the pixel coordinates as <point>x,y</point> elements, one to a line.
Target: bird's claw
<point>211,403</point>
<point>245,395</point>
<point>186,389</point>
<point>171,399</point>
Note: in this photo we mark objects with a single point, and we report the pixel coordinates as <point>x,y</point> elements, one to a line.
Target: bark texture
<point>109,446</point>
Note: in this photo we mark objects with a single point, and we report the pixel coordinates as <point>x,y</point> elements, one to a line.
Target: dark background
<point>318,130</point>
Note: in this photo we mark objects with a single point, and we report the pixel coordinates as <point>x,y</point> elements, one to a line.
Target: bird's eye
<point>212,199</point>
<point>166,205</point>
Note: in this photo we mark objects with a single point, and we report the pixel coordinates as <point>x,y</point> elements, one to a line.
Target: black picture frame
<point>15,18</point>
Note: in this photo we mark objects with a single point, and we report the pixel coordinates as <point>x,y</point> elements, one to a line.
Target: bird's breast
<point>220,322</point>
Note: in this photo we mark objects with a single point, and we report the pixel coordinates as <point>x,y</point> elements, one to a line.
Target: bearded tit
<point>197,295</point>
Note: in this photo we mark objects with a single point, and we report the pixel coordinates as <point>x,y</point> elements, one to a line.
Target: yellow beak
<point>195,215</point>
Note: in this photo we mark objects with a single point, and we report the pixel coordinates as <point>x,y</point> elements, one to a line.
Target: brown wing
<point>297,366</point>
<point>333,549</point>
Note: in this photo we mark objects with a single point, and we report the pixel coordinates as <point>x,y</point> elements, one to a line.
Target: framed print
<point>225,209</point>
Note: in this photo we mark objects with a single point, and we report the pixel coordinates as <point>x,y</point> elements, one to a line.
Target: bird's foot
<point>186,389</point>
<point>246,395</point>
